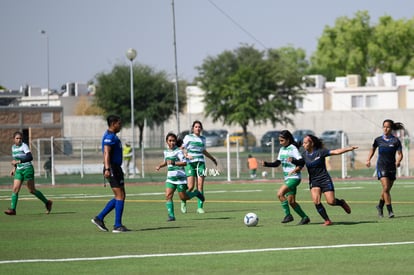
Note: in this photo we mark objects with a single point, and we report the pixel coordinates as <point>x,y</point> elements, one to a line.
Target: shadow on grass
<point>161,228</point>
<point>353,223</point>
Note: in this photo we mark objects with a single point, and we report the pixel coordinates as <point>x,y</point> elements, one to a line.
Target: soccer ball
<point>251,219</point>
<point>264,174</point>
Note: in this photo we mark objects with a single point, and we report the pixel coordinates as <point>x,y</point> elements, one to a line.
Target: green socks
<point>299,211</point>
<point>285,207</point>
<point>40,196</point>
<point>14,198</point>
<point>170,208</point>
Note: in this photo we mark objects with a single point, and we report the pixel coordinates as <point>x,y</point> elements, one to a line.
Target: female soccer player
<point>289,153</point>
<point>176,178</point>
<point>319,179</point>
<point>388,146</point>
<point>23,171</point>
<point>194,146</point>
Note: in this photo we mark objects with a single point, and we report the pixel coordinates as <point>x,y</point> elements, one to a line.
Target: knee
<point>331,202</point>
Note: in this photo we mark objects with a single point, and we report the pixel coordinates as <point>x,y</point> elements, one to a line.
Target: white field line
<point>203,253</point>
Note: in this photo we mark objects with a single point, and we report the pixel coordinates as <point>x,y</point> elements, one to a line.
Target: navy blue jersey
<point>387,147</point>
<point>111,139</point>
<point>315,163</point>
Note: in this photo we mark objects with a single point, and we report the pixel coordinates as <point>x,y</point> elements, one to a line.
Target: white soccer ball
<point>251,219</point>
<point>264,174</point>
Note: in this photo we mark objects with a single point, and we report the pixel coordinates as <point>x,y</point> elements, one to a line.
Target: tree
<point>391,48</point>
<point>353,46</point>
<point>154,100</point>
<point>343,49</point>
<point>246,85</point>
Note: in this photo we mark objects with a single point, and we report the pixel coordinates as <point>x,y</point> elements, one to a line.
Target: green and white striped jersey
<point>195,146</point>
<point>175,174</point>
<point>289,152</point>
<point>19,152</point>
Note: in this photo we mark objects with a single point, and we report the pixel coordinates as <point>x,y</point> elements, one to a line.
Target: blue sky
<point>87,37</point>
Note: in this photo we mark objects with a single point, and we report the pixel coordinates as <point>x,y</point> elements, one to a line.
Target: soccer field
<point>217,242</point>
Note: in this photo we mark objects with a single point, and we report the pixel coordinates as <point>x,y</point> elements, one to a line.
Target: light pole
<point>177,108</point>
<point>131,54</point>
<point>47,63</point>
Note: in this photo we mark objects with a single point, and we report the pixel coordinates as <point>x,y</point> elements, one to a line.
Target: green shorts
<point>292,184</point>
<point>24,174</point>
<point>179,187</point>
<point>193,169</point>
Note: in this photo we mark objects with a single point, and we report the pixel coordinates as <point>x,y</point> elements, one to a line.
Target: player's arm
<point>276,163</point>
<point>207,154</point>
<point>342,150</point>
<point>162,164</point>
<point>399,158</point>
<point>370,155</point>
<point>298,162</point>
<point>107,161</point>
<point>26,158</point>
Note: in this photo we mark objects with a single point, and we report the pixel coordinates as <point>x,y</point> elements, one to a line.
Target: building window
<point>371,101</point>
<point>299,104</point>
<point>357,101</point>
<point>47,117</point>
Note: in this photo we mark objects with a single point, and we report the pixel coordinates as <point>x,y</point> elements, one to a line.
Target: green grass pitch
<point>217,242</point>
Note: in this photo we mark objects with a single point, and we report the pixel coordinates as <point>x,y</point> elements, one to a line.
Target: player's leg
<point>284,203</point>
<point>17,184</point>
<point>291,197</point>
<point>387,184</point>
<point>169,193</point>
<point>316,198</point>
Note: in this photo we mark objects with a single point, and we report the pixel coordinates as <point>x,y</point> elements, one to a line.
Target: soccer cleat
<point>100,224</point>
<point>120,229</point>
<point>200,196</point>
<point>346,207</point>
<point>10,212</point>
<point>327,223</point>
<point>287,219</point>
<point>170,219</point>
<point>200,211</point>
<point>49,206</point>
<point>183,207</point>
<point>304,220</point>
<point>380,212</point>
<point>391,215</point>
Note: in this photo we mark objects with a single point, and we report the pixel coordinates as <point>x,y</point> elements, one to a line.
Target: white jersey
<point>19,152</point>
<point>195,146</point>
<point>289,152</point>
<point>175,174</point>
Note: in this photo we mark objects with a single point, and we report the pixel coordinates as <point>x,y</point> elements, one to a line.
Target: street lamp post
<point>177,108</point>
<point>47,63</point>
<point>131,54</point>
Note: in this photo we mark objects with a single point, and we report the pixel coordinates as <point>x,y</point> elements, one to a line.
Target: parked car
<point>238,136</point>
<point>212,138</point>
<point>332,139</point>
<point>299,134</point>
<point>222,135</point>
<point>266,141</point>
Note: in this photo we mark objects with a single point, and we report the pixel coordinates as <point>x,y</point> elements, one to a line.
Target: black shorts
<point>325,186</point>
<point>117,177</point>
<point>390,174</point>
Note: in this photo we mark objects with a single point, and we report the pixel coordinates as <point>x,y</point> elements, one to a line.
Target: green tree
<point>354,46</point>
<point>391,48</point>
<point>343,49</point>
<point>154,98</point>
<point>246,85</point>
